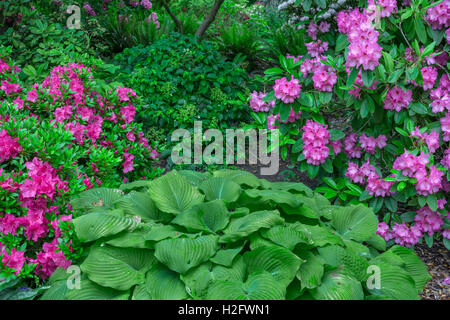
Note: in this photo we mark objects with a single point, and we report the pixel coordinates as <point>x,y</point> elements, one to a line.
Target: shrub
<point>227,236</point>
<point>178,73</point>
<point>58,138</point>
<point>390,79</point>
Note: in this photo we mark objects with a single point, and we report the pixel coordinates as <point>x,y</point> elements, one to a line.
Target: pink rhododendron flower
<point>439,15</point>
<point>257,104</point>
<point>324,81</point>
<point>315,137</point>
<point>9,147</point>
<point>287,91</point>
<point>429,75</point>
<point>15,260</point>
<point>397,99</point>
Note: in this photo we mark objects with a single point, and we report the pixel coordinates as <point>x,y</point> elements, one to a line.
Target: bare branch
<point>174,18</point>
<point>210,18</point>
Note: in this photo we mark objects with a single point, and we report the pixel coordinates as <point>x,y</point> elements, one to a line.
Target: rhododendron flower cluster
<point>316,48</point>
<point>431,139</point>
<point>416,167</point>
<point>324,81</point>
<point>438,16</point>
<point>441,96</point>
<point>445,126</point>
<point>287,91</point>
<point>257,104</point>
<point>366,143</point>
<point>364,49</point>
<point>386,7</point>
<point>315,137</point>
<point>429,75</point>
<point>397,99</point>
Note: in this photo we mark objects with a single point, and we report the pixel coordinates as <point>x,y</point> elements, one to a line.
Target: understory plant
<point>58,138</point>
<point>182,79</point>
<point>230,236</point>
<point>365,108</point>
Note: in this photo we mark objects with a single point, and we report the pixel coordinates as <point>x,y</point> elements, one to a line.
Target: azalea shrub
<point>365,108</point>
<point>58,138</point>
<point>230,236</point>
<point>182,79</point>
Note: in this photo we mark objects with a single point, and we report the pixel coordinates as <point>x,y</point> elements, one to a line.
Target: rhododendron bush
<point>58,138</point>
<point>366,108</point>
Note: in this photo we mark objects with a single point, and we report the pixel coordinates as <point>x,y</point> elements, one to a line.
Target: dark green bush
<point>182,79</point>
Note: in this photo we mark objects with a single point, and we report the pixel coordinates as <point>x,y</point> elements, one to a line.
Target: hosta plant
<point>229,235</point>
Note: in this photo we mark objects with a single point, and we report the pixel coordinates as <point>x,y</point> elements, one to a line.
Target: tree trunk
<point>174,18</point>
<point>210,18</point>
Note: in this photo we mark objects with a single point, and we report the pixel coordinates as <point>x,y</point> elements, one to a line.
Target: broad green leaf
<point>355,265</point>
<point>413,266</point>
<point>133,239</point>
<point>172,193</point>
<point>291,186</point>
<point>117,268</point>
<point>311,271</point>
<point>182,254</point>
<point>141,204</point>
<point>355,222</point>
<point>194,177</point>
<point>220,188</point>
<point>225,257</point>
<point>280,262</point>
<point>92,291</point>
<point>248,224</point>
<point>164,284</point>
<point>287,236</point>
<point>96,225</point>
<point>97,199</point>
<point>338,286</point>
<point>395,284</point>
<point>278,196</point>
<point>261,286</point>
<point>209,216</point>
<point>240,177</point>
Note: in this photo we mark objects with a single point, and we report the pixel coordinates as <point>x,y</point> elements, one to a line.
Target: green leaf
<point>117,268</point>
<point>278,196</point>
<point>240,177</point>
<point>97,225</point>
<point>248,224</point>
<point>353,264</point>
<point>97,199</point>
<point>420,30</point>
<point>351,78</point>
<point>311,271</point>
<point>141,204</point>
<point>92,291</point>
<point>164,284</point>
<point>225,257</point>
<point>355,222</point>
<point>182,254</point>
<point>280,262</point>
<point>172,193</point>
<point>286,236</point>
<point>413,266</point>
<point>338,286</point>
<point>261,286</point>
<point>220,188</point>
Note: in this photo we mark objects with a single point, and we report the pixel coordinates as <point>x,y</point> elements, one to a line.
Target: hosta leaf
<point>162,283</point>
<point>133,239</point>
<point>92,291</point>
<point>336,256</point>
<point>413,266</point>
<point>237,272</point>
<point>281,263</point>
<point>291,186</point>
<point>172,193</point>
<point>194,177</point>
<point>225,257</point>
<point>279,196</point>
<point>136,185</point>
<point>395,284</point>
<point>96,225</point>
<point>117,268</point>
<point>357,248</point>
<point>220,188</point>
<point>160,232</point>
<point>261,286</point>
<point>95,199</point>
<point>311,271</point>
<point>377,242</point>
<point>209,216</point>
<point>248,224</point>
<point>286,236</point>
<point>182,254</point>
<point>141,204</point>
<point>319,236</point>
<point>198,279</point>
<point>312,207</point>
<point>58,291</point>
<point>338,286</point>
<point>240,177</point>
<point>355,222</point>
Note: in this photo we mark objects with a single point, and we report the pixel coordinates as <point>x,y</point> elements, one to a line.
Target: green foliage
<point>252,242</point>
<point>182,79</point>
